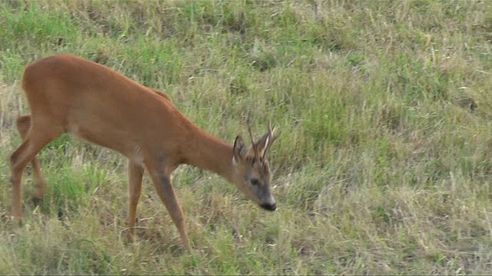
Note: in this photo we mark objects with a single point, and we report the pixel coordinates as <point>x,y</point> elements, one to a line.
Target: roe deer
<point>93,102</point>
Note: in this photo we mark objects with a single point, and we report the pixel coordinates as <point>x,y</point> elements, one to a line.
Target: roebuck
<point>70,94</point>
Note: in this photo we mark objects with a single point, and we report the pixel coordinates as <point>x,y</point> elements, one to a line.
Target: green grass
<point>384,163</point>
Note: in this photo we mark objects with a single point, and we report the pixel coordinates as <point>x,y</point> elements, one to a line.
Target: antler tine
<point>270,130</point>
<point>272,137</point>
<point>251,137</point>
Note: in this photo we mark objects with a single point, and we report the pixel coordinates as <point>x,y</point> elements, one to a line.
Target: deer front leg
<point>135,174</point>
<point>165,191</point>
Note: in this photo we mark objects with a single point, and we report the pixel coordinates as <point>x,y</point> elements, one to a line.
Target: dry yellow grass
<point>384,164</point>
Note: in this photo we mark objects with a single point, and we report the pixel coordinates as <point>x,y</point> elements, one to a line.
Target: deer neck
<point>209,153</point>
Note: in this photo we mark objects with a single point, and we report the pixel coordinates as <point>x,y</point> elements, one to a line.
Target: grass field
<point>384,163</point>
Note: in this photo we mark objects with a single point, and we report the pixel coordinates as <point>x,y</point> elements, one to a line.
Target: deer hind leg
<point>23,125</point>
<point>135,174</point>
<point>34,141</point>
<point>165,191</point>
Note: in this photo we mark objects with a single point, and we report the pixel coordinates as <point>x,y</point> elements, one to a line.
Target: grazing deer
<point>70,94</point>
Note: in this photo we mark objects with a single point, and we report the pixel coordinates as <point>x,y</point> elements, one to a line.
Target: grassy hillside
<point>384,164</point>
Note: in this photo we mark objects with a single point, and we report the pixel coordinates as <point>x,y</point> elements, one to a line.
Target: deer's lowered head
<point>251,172</point>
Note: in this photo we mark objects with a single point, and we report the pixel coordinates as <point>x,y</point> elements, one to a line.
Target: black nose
<point>269,207</point>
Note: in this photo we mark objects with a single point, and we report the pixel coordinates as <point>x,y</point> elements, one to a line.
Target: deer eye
<point>255,182</point>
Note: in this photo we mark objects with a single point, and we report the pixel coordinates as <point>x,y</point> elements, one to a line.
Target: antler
<point>271,136</point>
<point>251,137</point>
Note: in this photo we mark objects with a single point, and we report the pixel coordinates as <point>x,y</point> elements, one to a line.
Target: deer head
<point>251,173</point>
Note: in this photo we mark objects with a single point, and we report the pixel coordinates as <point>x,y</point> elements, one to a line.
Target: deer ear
<point>239,149</point>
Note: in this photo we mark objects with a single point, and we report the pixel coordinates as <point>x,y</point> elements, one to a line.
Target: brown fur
<point>70,94</point>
